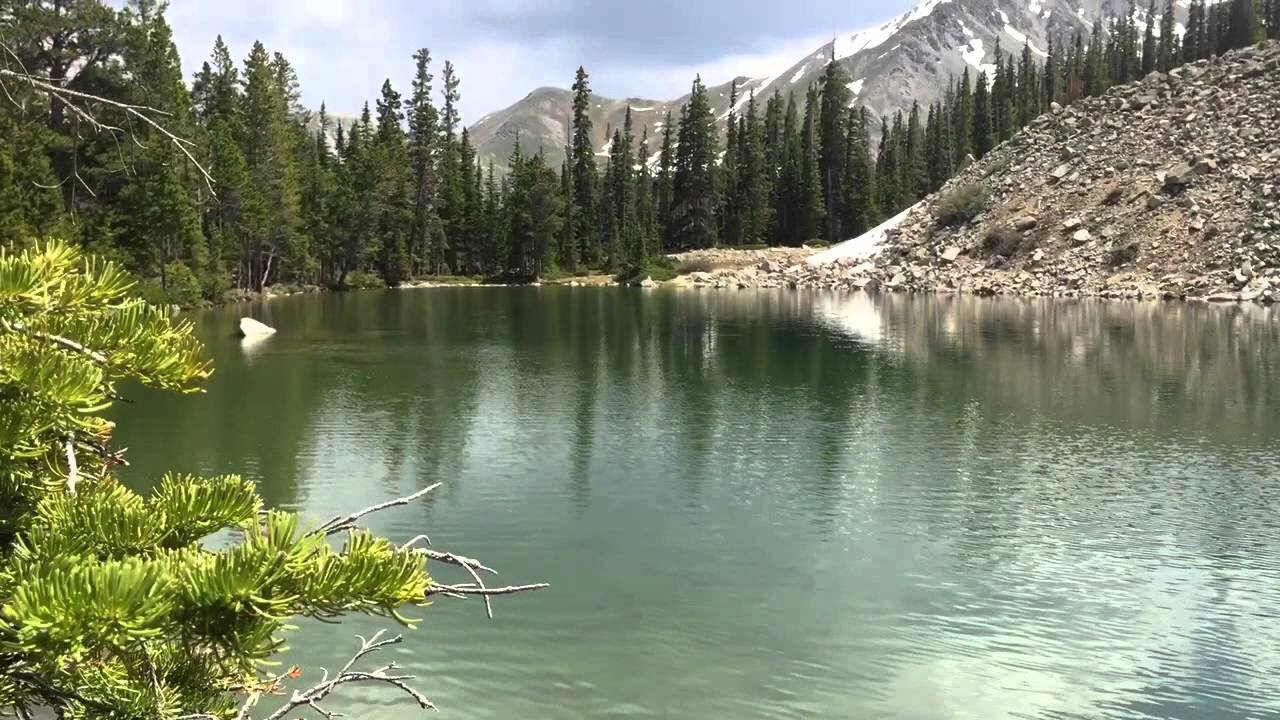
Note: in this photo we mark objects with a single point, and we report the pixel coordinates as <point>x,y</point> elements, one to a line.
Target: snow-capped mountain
<point>910,58</point>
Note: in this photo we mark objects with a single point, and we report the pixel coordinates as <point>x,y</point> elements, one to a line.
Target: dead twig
<point>313,696</point>
<point>347,522</point>
<point>470,589</point>
<point>67,97</point>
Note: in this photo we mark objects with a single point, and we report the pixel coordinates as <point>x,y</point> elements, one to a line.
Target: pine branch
<point>65,343</point>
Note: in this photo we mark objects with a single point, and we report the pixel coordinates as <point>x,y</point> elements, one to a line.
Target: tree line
<point>401,194</point>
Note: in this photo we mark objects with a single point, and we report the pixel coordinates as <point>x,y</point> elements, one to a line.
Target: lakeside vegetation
<point>401,195</point>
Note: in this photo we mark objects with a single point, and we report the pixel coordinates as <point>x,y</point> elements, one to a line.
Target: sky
<point>502,49</point>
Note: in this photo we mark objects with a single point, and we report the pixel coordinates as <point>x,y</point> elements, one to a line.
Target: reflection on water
<point>782,504</point>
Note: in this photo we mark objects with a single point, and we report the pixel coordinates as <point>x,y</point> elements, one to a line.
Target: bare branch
<point>459,560</point>
<point>67,96</point>
<point>470,589</point>
<point>312,696</point>
<point>340,523</point>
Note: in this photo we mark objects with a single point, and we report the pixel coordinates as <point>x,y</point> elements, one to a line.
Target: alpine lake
<point>775,504</point>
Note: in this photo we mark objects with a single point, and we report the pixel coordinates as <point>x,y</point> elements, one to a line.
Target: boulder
<point>1060,172</point>
<point>950,253</point>
<point>1178,176</point>
<point>1071,224</point>
<point>252,328</point>
<point>1204,166</point>
<point>648,282</point>
<point>1081,237</point>
<point>1025,223</point>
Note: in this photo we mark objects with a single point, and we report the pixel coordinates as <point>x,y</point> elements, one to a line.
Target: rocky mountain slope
<point>910,58</point>
<point>542,119</point>
<point>1168,187</point>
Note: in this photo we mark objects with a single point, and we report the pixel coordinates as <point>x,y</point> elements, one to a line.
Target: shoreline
<point>787,268</point>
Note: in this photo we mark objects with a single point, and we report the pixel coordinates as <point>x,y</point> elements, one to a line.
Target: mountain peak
<point>910,58</point>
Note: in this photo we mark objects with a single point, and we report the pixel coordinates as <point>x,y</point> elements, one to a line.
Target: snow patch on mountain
<point>975,51</point>
<point>1022,39</point>
<point>848,45</point>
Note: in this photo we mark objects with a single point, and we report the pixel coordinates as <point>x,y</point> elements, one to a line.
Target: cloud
<point>502,49</point>
<point>667,81</point>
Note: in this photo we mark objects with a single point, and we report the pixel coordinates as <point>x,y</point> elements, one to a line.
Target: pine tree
<point>666,185</point>
<point>1095,68</point>
<point>915,171</point>
<point>962,118</point>
<point>811,210</point>
<point>646,235</point>
<point>1150,53</point>
<point>393,209</point>
<point>493,223</point>
<point>1192,38</point>
<point>425,236</point>
<point>619,200</point>
<point>787,190</point>
<point>271,203</point>
<point>887,161</point>
<point>859,201</point>
<point>1029,106</point>
<point>1245,27</point>
<point>317,195</point>
<point>774,145</point>
<point>1001,104</point>
<point>983,133</point>
<point>1013,95</point>
<point>1050,84</point>
<point>730,211</point>
<point>161,221</point>
<point>476,219</point>
<point>695,196</point>
<point>1167,48</point>
<point>836,98</point>
<point>451,209</point>
<point>464,242</point>
<point>583,217</point>
<point>757,177</point>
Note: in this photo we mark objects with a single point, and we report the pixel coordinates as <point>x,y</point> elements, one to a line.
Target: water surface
<point>779,504</point>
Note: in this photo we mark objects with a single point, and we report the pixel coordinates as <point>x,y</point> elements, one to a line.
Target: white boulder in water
<point>252,328</point>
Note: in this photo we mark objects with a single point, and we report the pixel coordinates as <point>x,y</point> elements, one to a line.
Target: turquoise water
<point>779,504</point>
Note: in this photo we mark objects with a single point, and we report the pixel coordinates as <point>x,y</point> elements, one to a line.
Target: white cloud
<point>343,49</point>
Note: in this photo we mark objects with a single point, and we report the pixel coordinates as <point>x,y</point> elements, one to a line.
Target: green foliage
<point>695,193</point>
<point>401,193</point>
<point>961,204</point>
<point>360,280</point>
<point>111,604</point>
<point>659,269</point>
